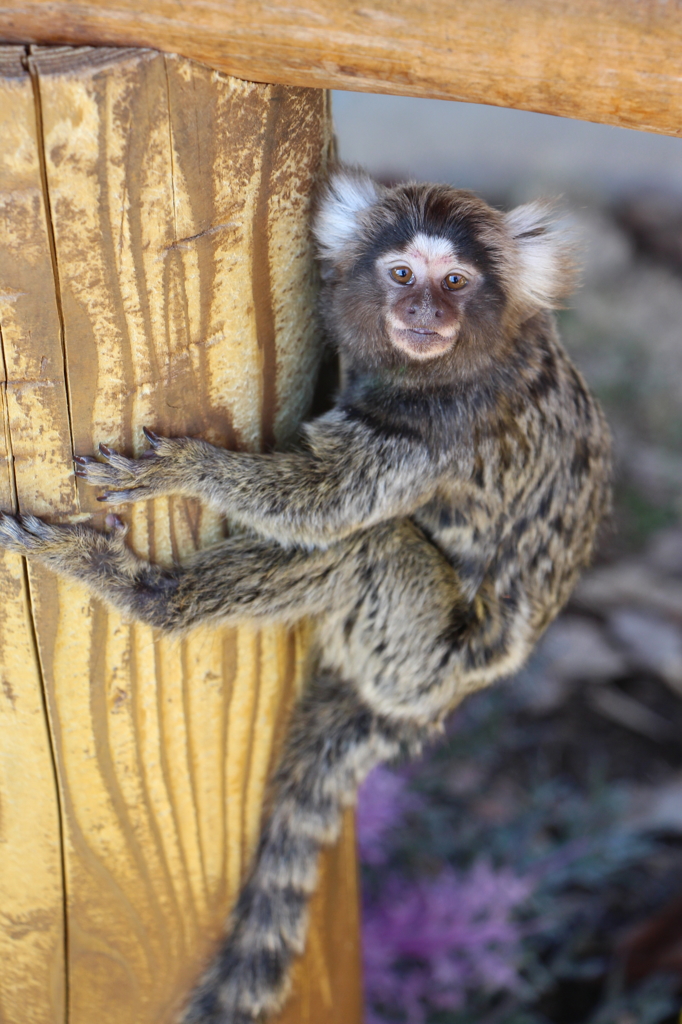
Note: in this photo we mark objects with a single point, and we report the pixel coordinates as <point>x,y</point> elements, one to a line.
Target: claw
<point>81,460</point>
<point>105,450</point>
<point>153,438</point>
<point>123,497</point>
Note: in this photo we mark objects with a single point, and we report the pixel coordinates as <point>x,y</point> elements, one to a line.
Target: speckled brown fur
<point>434,522</point>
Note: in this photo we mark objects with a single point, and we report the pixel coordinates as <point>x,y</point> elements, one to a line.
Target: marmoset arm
<point>346,477</point>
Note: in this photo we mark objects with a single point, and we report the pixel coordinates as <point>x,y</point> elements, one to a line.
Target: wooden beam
<point>615,61</point>
<point>155,267</point>
<point>32,398</point>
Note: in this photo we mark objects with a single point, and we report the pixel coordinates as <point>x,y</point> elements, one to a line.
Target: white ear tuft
<point>348,195</point>
<point>546,255</point>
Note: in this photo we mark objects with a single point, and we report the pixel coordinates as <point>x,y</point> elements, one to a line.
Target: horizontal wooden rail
<point>614,61</point>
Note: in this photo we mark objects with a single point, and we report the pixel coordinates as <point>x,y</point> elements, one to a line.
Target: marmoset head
<point>431,274</point>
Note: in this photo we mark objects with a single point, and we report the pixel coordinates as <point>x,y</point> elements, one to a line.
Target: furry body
<point>433,523</point>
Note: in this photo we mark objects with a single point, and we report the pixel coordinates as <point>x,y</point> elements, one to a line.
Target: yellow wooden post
<point>155,268</point>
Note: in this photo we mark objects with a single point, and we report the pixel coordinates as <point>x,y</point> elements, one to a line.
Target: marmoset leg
<point>398,646</point>
<point>333,742</point>
<point>240,578</point>
<point>390,610</point>
<point>392,663</point>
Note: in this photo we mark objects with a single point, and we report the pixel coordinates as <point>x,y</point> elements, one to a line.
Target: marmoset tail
<point>432,524</point>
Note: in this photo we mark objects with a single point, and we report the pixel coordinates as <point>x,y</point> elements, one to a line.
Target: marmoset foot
<point>63,545</point>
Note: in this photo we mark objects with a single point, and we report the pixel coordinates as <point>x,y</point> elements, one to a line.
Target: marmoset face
<point>431,275</point>
<point>427,287</point>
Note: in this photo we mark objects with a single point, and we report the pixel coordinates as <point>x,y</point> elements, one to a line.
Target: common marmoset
<point>433,523</point>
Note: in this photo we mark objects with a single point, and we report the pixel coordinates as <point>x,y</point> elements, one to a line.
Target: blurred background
<point>529,869</point>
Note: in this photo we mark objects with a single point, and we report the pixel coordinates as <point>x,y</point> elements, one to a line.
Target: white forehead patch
<point>432,248</point>
<point>431,255</point>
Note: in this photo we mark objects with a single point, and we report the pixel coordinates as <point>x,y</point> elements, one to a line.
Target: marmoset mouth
<point>425,332</point>
<point>421,343</point>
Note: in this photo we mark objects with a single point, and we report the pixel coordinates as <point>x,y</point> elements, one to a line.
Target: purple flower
<point>382,803</point>
<point>427,943</point>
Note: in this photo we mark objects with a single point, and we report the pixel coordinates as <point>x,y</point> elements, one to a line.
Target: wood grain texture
<point>615,61</point>
<point>175,265</point>
<point>32,982</point>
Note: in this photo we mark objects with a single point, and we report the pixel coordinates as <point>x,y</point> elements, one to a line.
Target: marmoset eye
<point>453,282</point>
<point>402,275</point>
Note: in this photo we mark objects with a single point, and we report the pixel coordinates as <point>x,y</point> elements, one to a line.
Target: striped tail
<point>334,741</point>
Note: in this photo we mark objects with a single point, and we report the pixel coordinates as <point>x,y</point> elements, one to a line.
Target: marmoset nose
<point>426,309</point>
